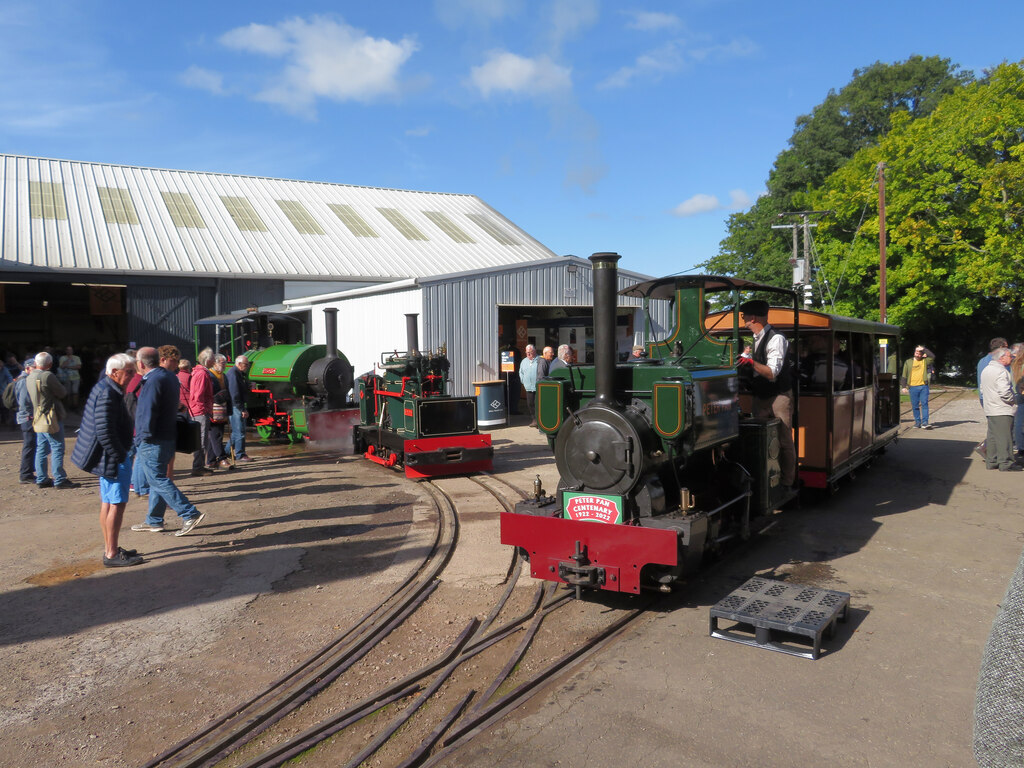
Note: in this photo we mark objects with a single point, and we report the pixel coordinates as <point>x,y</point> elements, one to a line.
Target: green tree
<point>954,214</point>
<point>844,123</point>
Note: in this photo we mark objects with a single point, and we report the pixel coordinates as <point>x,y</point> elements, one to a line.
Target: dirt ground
<point>110,667</point>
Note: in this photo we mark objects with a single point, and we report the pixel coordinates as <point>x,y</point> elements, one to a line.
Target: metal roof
<point>665,287</point>
<point>117,219</point>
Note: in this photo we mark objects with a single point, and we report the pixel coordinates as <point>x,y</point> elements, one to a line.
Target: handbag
<point>43,420</point>
<point>187,437</point>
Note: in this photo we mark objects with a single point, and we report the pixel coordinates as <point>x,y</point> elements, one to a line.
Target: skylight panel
<point>183,210</point>
<point>355,223</point>
<point>448,226</point>
<point>300,217</point>
<point>243,214</point>
<point>402,224</point>
<point>46,200</point>
<point>117,205</point>
<point>492,229</point>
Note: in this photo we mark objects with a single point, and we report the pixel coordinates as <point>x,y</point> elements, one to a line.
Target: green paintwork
<point>285,363</point>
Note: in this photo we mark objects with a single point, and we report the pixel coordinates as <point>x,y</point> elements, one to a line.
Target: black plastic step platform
<point>775,615</point>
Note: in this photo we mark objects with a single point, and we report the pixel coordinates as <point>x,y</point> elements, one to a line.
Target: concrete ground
<point>109,668</point>
<point>925,541</point>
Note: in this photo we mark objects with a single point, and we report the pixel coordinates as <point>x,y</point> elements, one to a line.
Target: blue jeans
<point>237,433</point>
<point>138,476</point>
<point>919,404</point>
<point>153,458</point>
<point>53,445</point>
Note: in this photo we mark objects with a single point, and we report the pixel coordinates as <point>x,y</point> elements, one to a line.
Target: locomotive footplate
<point>618,552</point>
<point>776,615</point>
<point>458,454</point>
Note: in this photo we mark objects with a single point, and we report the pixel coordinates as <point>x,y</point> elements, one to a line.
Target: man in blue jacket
<point>104,447</point>
<point>156,431</point>
<point>239,388</point>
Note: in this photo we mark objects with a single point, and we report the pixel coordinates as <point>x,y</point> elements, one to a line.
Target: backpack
<point>9,398</point>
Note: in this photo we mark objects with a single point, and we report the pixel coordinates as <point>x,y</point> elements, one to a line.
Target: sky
<point>634,127</point>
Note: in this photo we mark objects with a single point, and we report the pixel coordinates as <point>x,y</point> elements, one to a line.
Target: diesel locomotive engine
<point>657,467</point>
<point>408,420</point>
<point>293,382</point>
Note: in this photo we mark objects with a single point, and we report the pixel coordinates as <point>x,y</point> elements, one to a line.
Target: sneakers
<point>189,525</point>
<point>149,527</point>
<point>27,480</point>
<point>1012,468</point>
<point>65,484</point>
<point>122,559</point>
<point>926,426</point>
<point>47,483</point>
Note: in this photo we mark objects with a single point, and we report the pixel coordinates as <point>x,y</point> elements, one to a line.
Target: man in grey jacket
<point>24,419</point>
<point>996,391</point>
<point>46,393</point>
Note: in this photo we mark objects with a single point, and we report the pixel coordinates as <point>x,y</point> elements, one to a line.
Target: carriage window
<point>842,368</point>
<point>887,354</point>
<point>862,352</point>
<point>813,356</point>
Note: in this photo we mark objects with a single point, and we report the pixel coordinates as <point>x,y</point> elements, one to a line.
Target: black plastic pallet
<point>775,615</point>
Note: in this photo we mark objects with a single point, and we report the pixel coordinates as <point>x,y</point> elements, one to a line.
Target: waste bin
<point>490,403</point>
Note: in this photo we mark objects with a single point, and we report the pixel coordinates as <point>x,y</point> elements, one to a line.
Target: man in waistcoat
<point>771,383</point>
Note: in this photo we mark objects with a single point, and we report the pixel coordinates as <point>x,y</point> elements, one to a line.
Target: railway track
<point>503,655</point>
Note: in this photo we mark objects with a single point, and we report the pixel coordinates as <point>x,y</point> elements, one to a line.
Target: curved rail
<point>312,675</point>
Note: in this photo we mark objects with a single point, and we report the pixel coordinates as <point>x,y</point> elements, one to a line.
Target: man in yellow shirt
<point>917,375</point>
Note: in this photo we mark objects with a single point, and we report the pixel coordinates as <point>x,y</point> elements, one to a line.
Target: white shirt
<point>776,351</point>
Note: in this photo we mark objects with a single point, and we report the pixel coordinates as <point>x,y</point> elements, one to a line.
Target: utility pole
<point>801,265</point>
<point>881,242</point>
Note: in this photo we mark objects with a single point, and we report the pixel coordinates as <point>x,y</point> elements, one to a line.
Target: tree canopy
<point>844,123</point>
<point>954,215</point>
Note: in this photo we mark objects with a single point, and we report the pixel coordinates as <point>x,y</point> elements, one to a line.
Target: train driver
<point>772,383</point>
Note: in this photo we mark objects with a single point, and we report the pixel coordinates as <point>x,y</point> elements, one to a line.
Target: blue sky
<point>634,127</point>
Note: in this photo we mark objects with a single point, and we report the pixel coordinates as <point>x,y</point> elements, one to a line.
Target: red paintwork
<point>814,478</point>
<point>448,468</point>
<point>622,550</point>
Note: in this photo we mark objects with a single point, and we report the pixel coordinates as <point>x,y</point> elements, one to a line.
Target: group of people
<point>129,431</point>
<point>534,367</point>
<point>1001,391</point>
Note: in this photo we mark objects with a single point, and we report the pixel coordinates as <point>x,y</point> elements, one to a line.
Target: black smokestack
<point>605,284</point>
<point>412,333</point>
<point>331,322</point>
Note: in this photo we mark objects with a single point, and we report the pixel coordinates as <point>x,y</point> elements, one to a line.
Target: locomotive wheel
<point>265,431</point>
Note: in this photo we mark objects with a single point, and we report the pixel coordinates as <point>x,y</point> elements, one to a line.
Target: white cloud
<point>666,59</point>
<point>651,21</point>
<point>567,17</point>
<point>697,205</point>
<point>326,59</point>
<point>738,199</point>
<point>419,131</point>
<point>675,56</point>
<point>203,79</point>
<point>508,72</point>
<point>701,203</point>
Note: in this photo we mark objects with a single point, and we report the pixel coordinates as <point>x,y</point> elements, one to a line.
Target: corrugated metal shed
<point>461,311</point>
<point>114,219</point>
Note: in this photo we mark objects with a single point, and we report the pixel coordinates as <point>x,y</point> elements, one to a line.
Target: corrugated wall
<point>165,313</point>
<point>463,312</point>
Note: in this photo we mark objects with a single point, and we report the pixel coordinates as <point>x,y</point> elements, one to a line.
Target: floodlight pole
<point>881,242</point>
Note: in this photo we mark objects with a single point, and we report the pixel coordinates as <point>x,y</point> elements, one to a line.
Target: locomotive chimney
<point>412,334</point>
<point>331,323</point>
<point>605,283</point>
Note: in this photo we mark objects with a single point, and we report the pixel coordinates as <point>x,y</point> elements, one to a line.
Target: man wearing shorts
<point>103,446</point>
